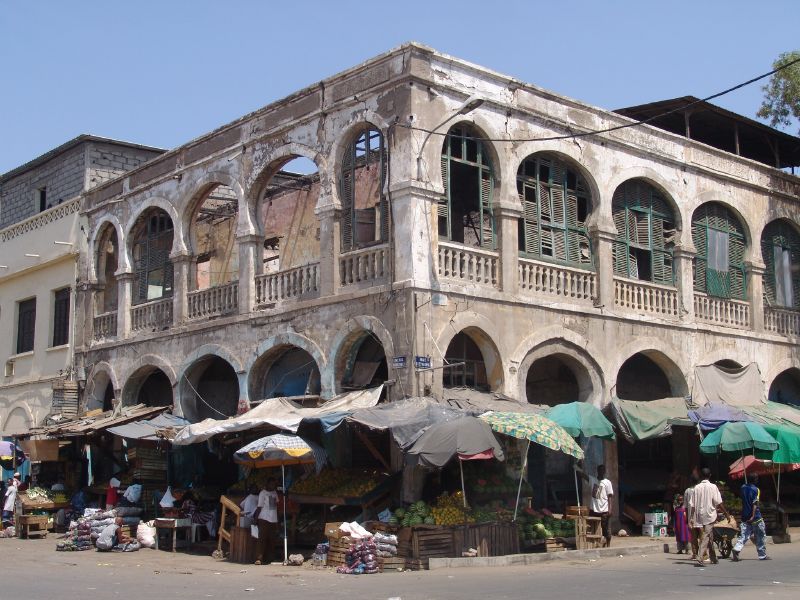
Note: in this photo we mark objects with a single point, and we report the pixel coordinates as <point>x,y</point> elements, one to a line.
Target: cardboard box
<point>332,531</point>
<point>650,530</point>
<point>655,518</point>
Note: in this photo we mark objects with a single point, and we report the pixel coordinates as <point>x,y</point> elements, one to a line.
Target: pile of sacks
<point>361,558</point>
<point>78,537</point>
<point>386,544</point>
<point>97,520</point>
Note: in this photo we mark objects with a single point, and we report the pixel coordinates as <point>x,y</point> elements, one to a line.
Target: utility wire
<point>616,127</point>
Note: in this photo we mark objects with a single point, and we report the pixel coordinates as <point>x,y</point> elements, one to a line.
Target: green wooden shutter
<point>487,217</point>
<point>443,205</point>
<point>730,284</point>
<point>347,195</point>
<point>385,215</point>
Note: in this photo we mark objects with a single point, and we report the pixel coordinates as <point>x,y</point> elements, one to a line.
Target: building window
<point>26,325</point>
<point>780,250</point>
<point>151,247</point>
<point>720,243</point>
<point>645,233</point>
<point>556,203</point>
<point>61,317</point>
<point>465,211</point>
<point>365,211</point>
<point>41,198</point>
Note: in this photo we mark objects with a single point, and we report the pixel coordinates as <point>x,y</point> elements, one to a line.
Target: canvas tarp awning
<point>281,413</point>
<point>148,429</point>
<point>476,402</point>
<point>774,412</point>
<point>88,425</point>
<point>644,420</point>
<point>737,387</point>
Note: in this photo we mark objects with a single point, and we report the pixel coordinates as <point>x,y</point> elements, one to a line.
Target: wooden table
<point>175,525</point>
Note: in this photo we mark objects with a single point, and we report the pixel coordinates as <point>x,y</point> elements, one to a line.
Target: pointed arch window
<point>365,210</point>
<point>556,203</point>
<point>645,233</point>
<point>720,243</point>
<point>152,243</point>
<point>465,211</point>
<point>780,249</point>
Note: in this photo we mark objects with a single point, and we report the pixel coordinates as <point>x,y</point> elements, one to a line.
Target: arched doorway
<point>728,364</point>
<point>101,392</point>
<point>151,244</point>
<point>646,467</point>
<point>472,361</point>
<point>362,363</point>
<point>283,372</point>
<point>554,379</point>
<point>213,237</point>
<point>106,264</point>
<point>786,388</point>
<point>149,386</point>
<point>210,389</point>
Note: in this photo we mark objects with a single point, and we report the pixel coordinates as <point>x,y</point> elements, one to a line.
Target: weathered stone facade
<point>416,291</point>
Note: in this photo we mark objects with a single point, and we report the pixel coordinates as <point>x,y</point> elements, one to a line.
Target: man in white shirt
<point>688,501</point>
<point>9,501</point>
<point>267,519</point>
<point>706,499</point>
<point>602,495</point>
<point>249,507</point>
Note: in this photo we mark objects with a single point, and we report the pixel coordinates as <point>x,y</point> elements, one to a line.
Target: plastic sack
<point>146,535</point>
<point>254,531</point>
<point>168,501</point>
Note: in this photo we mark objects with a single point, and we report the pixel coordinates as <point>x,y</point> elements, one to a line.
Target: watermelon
<point>400,513</point>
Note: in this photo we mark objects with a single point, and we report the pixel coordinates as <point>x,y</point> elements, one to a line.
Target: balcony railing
<point>782,320</point>
<point>556,280</point>
<point>468,265</point>
<point>105,325</point>
<point>214,301</point>
<point>368,264</point>
<point>722,311</point>
<point>286,285</point>
<point>645,297</point>
<point>153,316</point>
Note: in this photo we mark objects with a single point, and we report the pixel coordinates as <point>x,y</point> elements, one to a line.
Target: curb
<point>513,560</point>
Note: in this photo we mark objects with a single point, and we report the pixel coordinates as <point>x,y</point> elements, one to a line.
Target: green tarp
<point>788,436</point>
<point>649,419</point>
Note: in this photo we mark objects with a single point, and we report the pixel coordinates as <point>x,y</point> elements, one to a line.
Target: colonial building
<point>461,230</point>
<point>41,237</point>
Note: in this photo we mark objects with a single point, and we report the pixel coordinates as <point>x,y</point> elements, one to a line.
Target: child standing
<point>681,525</point>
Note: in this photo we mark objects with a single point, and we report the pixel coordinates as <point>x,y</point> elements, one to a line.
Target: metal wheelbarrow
<point>725,532</point>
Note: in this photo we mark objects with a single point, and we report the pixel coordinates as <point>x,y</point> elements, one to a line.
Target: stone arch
<point>733,353</point>
<point>199,186</point>
<point>355,125</point>
<point>19,411</point>
<point>784,386</point>
<point>100,375</point>
<point>178,246</point>
<point>651,176</point>
<point>571,155</point>
<point>99,229</point>
<point>587,372</point>
<point>267,162</point>
<point>715,197</point>
<point>352,333</point>
<point>483,333</point>
<point>139,371</point>
<point>210,373</point>
<point>673,375</point>
<point>266,352</point>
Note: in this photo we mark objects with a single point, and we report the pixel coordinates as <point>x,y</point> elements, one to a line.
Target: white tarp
<point>737,387</point>
<point>278,412</point>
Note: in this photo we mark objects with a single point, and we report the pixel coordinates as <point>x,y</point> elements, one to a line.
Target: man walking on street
<point>706,499</point>
<point>267,519</point>
<point>602,494</point>
<point>688,499</point>
<point>752,523</point>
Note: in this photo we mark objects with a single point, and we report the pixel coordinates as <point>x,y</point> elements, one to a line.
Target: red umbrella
<point>751,465</point>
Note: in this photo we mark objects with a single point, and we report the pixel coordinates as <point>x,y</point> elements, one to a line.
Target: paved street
<point>34,570</point>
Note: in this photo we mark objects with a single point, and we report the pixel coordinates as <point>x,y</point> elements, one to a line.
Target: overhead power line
<point>616,127</point>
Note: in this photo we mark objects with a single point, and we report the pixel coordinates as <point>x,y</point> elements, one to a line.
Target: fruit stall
<point>36,510</point>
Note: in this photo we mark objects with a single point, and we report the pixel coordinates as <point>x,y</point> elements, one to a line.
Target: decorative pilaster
<point>181,265</point>
<point>683,258</point>
<point>124,303</point>
<point>415,233</point>
<point>507,216</point>
<point>330,245</point>
<point>603,238</point>
<point>251,248</point>
<point>755,293</point>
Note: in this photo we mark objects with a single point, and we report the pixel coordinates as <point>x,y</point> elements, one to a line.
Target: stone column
<point>755,293</point>
<point>181,264</point>
<point>603,238</point>
<point>507,216</point>
<point>415,233</point>
<point>330,244</point>
<point>124,303</point>
<point>251,265</point>
<point>684,280</point>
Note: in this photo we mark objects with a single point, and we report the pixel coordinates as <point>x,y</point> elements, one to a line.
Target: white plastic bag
<point>254,531</point>
<point>168,501</point>
<point>146,535</point>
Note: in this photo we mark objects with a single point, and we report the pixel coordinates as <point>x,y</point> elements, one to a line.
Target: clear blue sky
<point>164,72</point>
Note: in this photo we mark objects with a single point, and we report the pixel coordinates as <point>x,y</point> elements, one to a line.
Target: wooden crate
<point>32,526</point>
<point>391,564</point>
<point>489,539</point>
<point>242,546</point>
<point>436,542</point>
<point>555,545</point>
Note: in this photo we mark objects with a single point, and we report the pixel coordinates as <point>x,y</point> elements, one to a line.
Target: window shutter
<point>487,217</point>
<point>385,215</point>
<point>443,206</point>
<point>347,193</point>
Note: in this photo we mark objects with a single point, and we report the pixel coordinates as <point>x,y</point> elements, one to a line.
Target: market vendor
<point>112,536</point>
<point>9,500</point>
<point>112,493</point>
<point>249,506</point>
<point>267,519</point>
<point>192,508</point>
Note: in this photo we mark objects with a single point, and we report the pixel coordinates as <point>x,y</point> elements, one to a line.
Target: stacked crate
<point>149,466</point>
